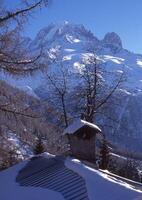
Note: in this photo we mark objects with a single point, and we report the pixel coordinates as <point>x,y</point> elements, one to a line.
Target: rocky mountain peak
<point>112,40</point>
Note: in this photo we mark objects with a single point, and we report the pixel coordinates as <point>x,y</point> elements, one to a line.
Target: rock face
<point>70,44</point>
<point>112,41</point>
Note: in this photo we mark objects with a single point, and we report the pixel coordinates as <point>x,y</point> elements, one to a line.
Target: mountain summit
<point>112,40</point>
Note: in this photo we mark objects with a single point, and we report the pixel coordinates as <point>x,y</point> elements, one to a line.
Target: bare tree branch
<point>11,15</point>
<point>60,87</point>
<point>17,112</point>
<point>111,93</point>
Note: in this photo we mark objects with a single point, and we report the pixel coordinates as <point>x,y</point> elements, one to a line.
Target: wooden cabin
<point>84,139</point>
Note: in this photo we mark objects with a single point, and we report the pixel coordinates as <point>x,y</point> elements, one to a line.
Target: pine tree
<point>39,147</point>
<point>104,155</point>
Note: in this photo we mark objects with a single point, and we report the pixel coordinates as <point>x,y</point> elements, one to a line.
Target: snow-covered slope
<point>99,185</point>
<point>17,132</point>
<point>103,186</point>
<point>10,190</point>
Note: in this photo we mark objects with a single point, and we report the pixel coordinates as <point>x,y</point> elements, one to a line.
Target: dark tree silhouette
<point>39,147</point>
<point>104,155</point>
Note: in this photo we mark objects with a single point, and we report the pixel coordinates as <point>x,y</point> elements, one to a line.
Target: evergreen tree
<point>104,155</point>
<point>39,147</point>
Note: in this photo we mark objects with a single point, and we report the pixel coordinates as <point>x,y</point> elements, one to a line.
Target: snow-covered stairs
<point>51,173</point>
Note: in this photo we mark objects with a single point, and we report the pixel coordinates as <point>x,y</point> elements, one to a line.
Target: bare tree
<point>97,87</point>
<point>16,14</point>
<point>92,89</point>
<point>15,59</point>
<point>58,84</point>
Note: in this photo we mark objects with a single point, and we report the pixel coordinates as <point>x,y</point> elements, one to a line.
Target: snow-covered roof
<point>76,125</point>
<point>49,177</point>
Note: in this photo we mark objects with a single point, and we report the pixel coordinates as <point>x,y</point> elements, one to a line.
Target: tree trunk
<point>64,111</point>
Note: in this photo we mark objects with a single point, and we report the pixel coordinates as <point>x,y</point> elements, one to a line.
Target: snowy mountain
<point>71,44</point>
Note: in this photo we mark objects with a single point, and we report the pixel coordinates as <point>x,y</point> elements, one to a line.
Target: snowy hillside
<point>99,185</point>
<point>18,134</point>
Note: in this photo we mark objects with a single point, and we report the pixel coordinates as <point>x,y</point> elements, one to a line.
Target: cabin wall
<point>81,147</point>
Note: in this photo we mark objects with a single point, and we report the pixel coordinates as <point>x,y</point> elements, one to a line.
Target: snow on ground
<point>116,60</point>
<point>119,71</point>
<point>72,39</point>
<point>78,67</point>
<point>125,91</point>
<point>68,57</point>
<point>69,50</point>
<point>10,190</point>
<point>118,156</point>
<point>18,145</point>
<point>46,155</point>
<point>101,186</point>
<point>139,63</point>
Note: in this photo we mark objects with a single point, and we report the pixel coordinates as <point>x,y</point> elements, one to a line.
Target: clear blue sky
<point>100,16</point>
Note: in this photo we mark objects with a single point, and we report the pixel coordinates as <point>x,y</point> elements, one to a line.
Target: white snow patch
<point>101,186</point>
<point>118,156</point>
<point>116,60</point>
<point>76,40</point>
<point>87,56</point>
<point>68,57</point>
<point>10,190</point>
<point>125,91</point>
<point>52,53</point>
<point>66,22</point>
<point>79,67</point>
<point>17,145</point>
<point>120,71</point>
<point>139,62</point>
<point>47,155</point>
<point>69,50</point>
<point>12,137</point>
<point>72,39</point>
<point>139,90</point>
